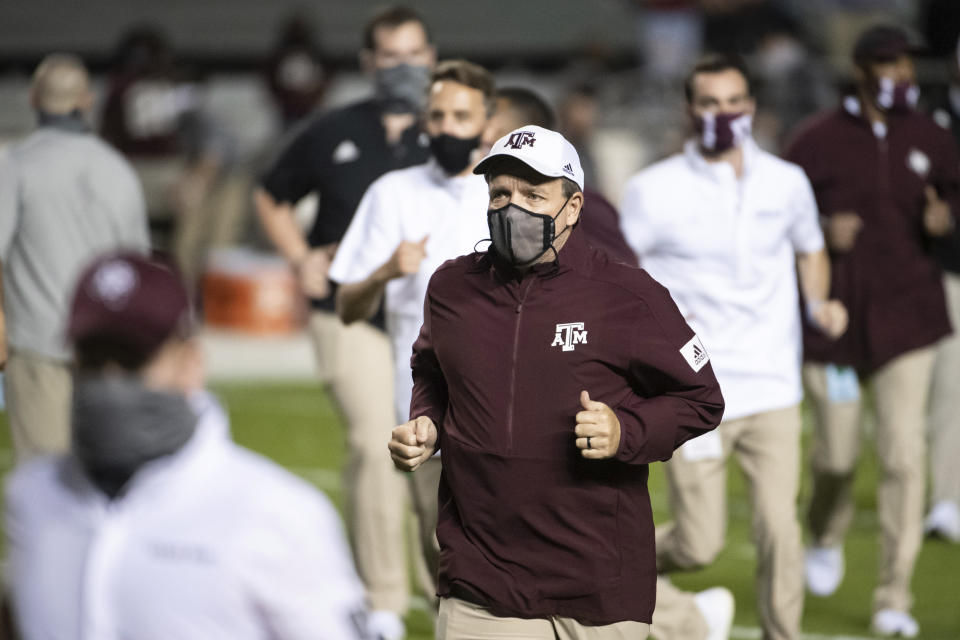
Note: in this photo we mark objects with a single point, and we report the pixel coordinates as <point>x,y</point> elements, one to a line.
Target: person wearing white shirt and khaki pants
<point>409,222</point>
<point>726,227</point>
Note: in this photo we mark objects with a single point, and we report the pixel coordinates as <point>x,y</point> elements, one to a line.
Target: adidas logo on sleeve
<point>695,353</point>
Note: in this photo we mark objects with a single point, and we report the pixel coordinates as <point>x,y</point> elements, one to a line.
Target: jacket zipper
<point>518,312</point>
<point>884,178</point>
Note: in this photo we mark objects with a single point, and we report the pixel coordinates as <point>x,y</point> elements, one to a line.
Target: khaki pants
<point>900,391</point>
<point>767,446</point>
<point>213,219</point>
<point>355,362</point>
<point>676,616</point>
<point>461,620</point>
<point>424,485</point>
<point>944,426</point>
<point>38,396</point>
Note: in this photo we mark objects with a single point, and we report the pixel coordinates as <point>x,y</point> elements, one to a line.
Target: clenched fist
<point>406,258</point>
<point>842,230</point>
<point>412,443</point>
<point>598,429</point>
<point>312,272</point>
<point>830,316</point>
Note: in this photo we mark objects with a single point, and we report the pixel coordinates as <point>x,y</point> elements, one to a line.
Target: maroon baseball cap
<point>129,300</point>
<point>883,42</point>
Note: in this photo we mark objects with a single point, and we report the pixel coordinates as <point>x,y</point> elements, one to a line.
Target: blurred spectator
<point>337,156</point>
<point>154,115</point>
<point>944,418</point>
<point>296,73</point>
<point>735,280</point>
<point>155,523</point>
<point>887,182</point>
<point>791,84</point>
<point>738,26</point>
<point>599,221</point>
<point>65,196</point>
<point>670,34</point>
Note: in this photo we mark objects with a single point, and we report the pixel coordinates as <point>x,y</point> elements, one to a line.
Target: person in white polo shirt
<point>156,525</point>
<point>727,228</point>
<point>409,222</point>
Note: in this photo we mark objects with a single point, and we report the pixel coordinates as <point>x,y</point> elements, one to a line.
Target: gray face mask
<point>521,236</point>
<point>403,88</point>
<point>118,425</point>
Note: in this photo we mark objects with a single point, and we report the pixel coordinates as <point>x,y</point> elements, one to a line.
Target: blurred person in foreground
<point>550,377</point>
<point>410,222</point>
<point>679,615</point>
<point>599,220</point>
<point>337,155</point>
<point>943,519</point>
<point>887,183</point>
<point>729,229</point>
<point>65,197</point>
<point>155,523</point>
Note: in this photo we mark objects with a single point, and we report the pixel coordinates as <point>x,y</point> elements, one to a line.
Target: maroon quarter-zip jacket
<point>527,525</point>
<point>890,281</point>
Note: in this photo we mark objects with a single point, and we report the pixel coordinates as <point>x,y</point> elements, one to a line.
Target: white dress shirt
<point>213,541</point>
<point>726,249</point>
<point>408,205</point>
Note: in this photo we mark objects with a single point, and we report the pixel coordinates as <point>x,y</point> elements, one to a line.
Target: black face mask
<point>521,236</point>
<point>118,426</point>
<point>451,153</point>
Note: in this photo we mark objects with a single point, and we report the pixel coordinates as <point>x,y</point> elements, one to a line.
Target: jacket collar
<point>72,121</point>
<point>574,255</point>
<point>852,107</point>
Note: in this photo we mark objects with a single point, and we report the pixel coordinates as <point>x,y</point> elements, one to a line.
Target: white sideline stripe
<point>754,633</point>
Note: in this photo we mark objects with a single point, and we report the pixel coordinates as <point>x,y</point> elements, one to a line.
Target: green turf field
<point>296,425</point>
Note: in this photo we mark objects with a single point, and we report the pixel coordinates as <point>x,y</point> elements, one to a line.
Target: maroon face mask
<point>896,97</point>
<point>719,132</point>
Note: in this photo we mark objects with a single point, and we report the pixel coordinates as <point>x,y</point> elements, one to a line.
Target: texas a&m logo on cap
<point>520,139</point>
<point>114,282</point>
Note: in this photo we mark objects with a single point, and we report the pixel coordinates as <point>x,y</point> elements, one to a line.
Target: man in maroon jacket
<point>887,186</point>
<point>551,377</point>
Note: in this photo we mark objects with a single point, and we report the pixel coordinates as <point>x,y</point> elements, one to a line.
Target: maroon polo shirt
<point>526,525</point>
<point>889,281</point>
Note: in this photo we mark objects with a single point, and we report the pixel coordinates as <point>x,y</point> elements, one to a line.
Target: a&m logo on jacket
<point>569,334</point>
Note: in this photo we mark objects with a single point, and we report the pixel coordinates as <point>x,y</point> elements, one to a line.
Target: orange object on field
<point>251,292</point>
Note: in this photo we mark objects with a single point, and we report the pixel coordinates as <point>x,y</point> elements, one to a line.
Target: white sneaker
<point>890,622</point>
<point>824,569</point>
<point>944,521</point>
<point>386,625</point>
<point>717,606</point>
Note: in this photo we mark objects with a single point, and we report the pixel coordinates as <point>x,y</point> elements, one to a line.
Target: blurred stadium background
<point>620,53</point>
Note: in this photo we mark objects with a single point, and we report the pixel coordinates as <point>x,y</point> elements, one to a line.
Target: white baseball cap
<point>545,151</point>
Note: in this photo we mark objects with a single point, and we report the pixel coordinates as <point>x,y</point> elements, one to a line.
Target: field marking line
<point>754,633</point>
